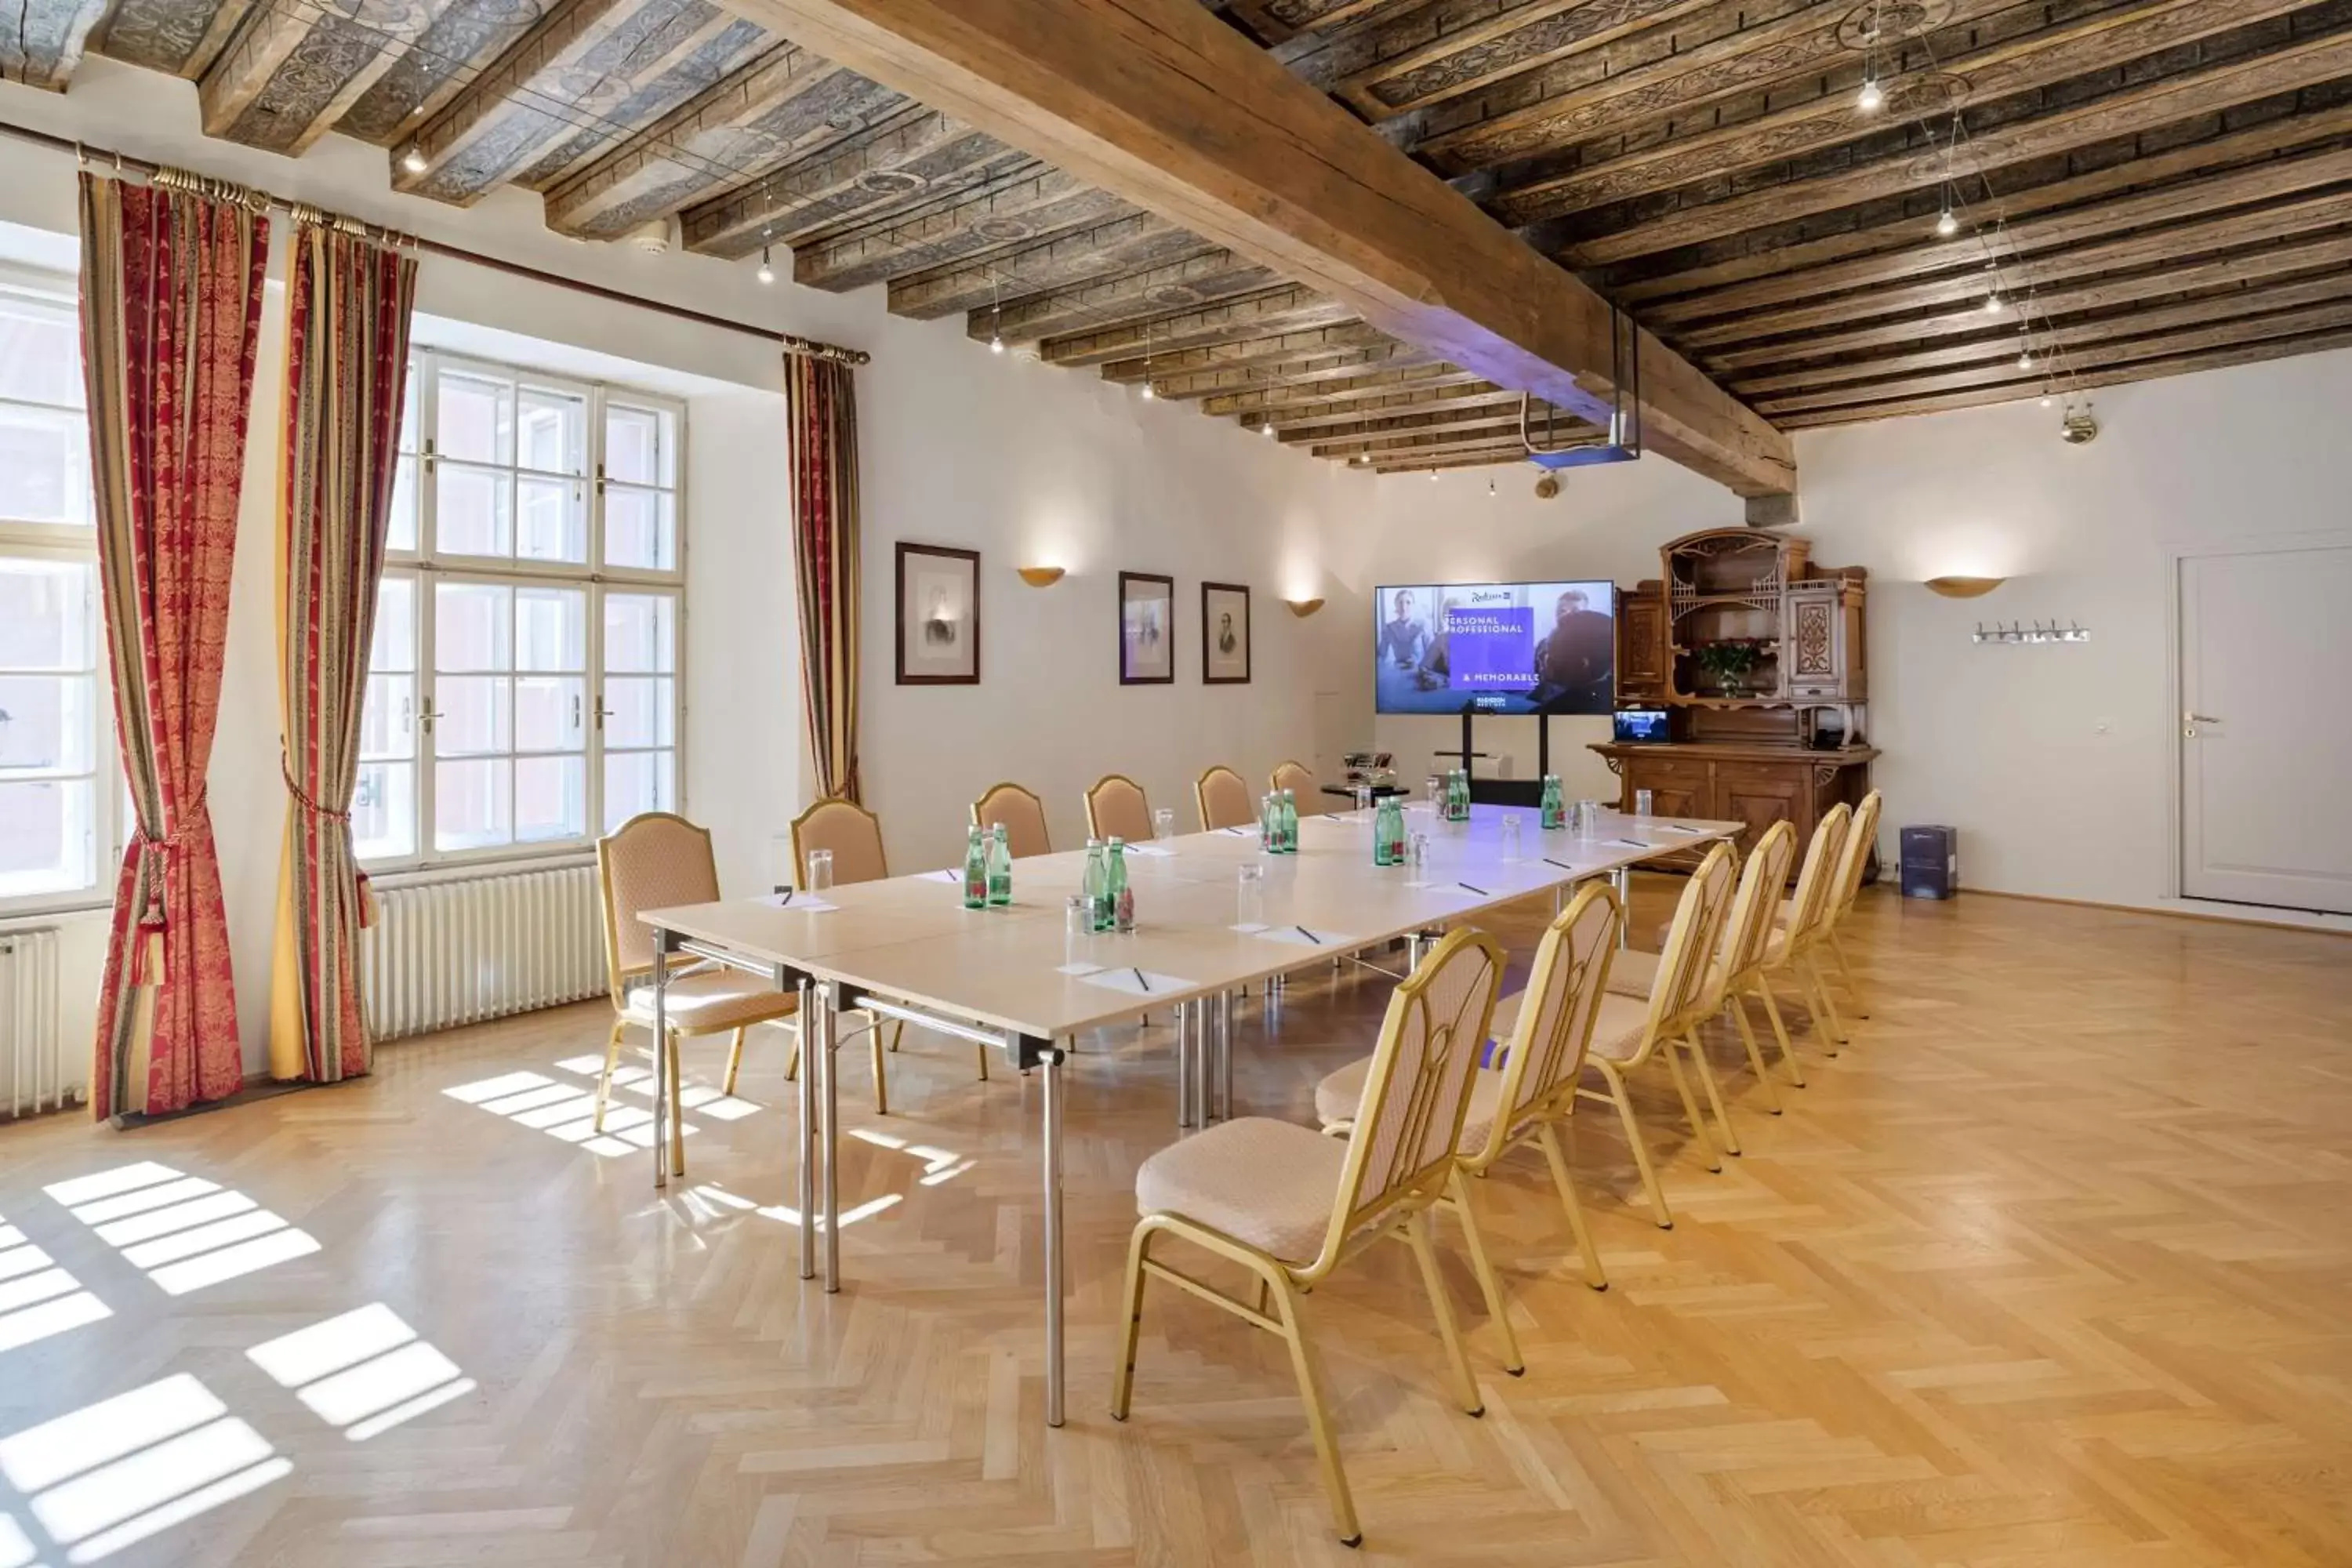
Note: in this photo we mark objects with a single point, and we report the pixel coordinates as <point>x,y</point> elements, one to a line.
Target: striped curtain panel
<point>347,304</point>
<point>170,306</point>
<point>821,405</point>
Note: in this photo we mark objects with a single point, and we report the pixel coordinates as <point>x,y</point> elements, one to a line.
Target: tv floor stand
<point>1504,792</point>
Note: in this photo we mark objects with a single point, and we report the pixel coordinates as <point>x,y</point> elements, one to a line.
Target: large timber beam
<point>1163,103</point>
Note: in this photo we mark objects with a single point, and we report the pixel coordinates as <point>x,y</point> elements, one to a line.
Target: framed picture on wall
<point>1147,629</point>
<point>1225,633</point>
<point>938,615</point>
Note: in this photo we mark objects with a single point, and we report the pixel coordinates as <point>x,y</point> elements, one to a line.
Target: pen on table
<point>1139,980</point>
<point>786,898</point>
<point>1308,935</point>
<point>1561,864</point>
<point>1632,843</point>
<point>1480,891</point>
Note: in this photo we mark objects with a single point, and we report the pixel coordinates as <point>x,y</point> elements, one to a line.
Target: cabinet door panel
<point>1762,793</point>
<point>1681,788</point>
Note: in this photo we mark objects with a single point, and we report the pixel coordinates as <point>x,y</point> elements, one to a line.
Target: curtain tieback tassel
<point>362,887</point>
<point>156,852</point>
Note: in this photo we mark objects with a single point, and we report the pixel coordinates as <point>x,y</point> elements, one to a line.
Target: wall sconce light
<point>1041,576</point>
<point>1303,608</point>
<point>1964,587</point>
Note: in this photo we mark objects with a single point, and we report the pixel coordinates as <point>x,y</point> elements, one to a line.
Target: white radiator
<point>42,1075</point>
<point>445,954</point>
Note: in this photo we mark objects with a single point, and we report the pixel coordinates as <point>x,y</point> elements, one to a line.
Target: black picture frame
<point>1218,662</point>
<point>1147,629</point>
<point>937,569</point>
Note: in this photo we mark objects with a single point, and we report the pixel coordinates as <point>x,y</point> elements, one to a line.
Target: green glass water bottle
<point>1094,887</point>
<point>975,871</point>
<point>1384,834</point>
<point>1121,902</point>
<point>1000,868</point>
<point>1289,823</point>
<point>1550,815</point>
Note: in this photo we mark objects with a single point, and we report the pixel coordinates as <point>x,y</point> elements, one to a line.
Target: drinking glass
<point>1249,883</point>
<point>1078,930</point>
<point>1643,801</point>
<point>1511,839</point>
<point>820,870</point>
<point>1418,857</point>
<point>1363,799</point>
<point>1588,818</point>
<point>1163,822</point>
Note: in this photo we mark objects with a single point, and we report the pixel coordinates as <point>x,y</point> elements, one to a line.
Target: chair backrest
<point>1296,777</point>
<point>1223,796</point>
<point>1115,809</point>
<point>854,834</point>
<point>1417,1091</point>
<point>1747,929</point>
<point>1022,814</point>
<point>1678,995</point>
<point>1861,838</point>
<point>1816,877</point>
<point>1555,1029</point>
<point>655,860</point>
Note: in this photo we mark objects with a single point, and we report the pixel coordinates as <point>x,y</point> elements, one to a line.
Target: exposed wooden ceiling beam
<point>1285,308</point>
<point>887,167</point>
<point>1027,204</point>
<point>1392,69</point>
<point>168,34</point>
<point>45,43</point>
<point>1485,432</point>
<point>1355,411</point>
<point>1306,348</point>
<point>1212,274</point>
<point>1128,243</point>
<point>290,72</point>
<point>1276,396</point>
<point>1160,101</point>
<point>1317,367</point>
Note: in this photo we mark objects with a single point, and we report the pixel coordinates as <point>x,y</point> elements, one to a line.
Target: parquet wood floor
<point>2051,1266</point>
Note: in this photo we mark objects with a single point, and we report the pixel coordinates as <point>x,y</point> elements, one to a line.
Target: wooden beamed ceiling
<point>2164,185</point>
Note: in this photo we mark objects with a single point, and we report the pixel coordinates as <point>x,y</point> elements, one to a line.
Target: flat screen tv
<point>1496,648</point>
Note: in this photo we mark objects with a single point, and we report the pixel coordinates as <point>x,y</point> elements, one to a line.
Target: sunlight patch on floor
<point>699,1098</point>
<point>563,1112</point>
<point>183,1232</point>
<point>365,1372</point>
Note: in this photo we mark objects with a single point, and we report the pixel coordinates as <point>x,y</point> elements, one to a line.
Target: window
<point>57,813</point>
<point>523,683</point>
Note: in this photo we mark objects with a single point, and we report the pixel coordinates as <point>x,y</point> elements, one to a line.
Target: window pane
<point>551,798</point>
<point>474,511</point>
<point>473,803</point>
<point>394,644</point>
<point>40,351</point>
<point>640,529</point>
<point>639,445</point>
<point>472,630</point>
<point>554,432</point>
<point>475,715</point>
<point>47,839</point>
<point>549,713</point>
<point>388,723</point>
<point>383,811</point>
<point>641,633</point>
<point>47,615</point>
<point>476,419</point>
<point>411,389</point>
<point>46,724</point>
<point>552,520</point>
<point>400,533</point>
<point>640,711</point>
<point>44,465</point>
<point>639,781</point>
<point>551,629</point>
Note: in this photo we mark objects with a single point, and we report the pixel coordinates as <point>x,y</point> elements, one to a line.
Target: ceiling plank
<point>1443,430</point>
<point>172,36</point>
<point>1306,347</point>
<point>46,42</point>
<point>1316,368</point>
<point>290,73</point>
<point>1276,396</point>
<point>889,167</point>
<point>1123,244</point>
<point>2184,96</point>
<point>1509,43</point>
<point>1481,394</point>
<point>1165,104</point>
<point>1212,274</point>
<point>1022,206</point>
<point>1285,308</point>
<point>2177,364</point>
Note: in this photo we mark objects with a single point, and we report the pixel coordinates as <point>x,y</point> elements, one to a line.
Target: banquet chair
<point>1290,1205</point>
<point>1296,777</point>
<point>1022,814</point>
<point>1527,1099</point>
<point>854,834</point>
<point>1736,966</point>
<point>1853,861</point>
<point>1116,808</point>
<point>657,860</point>
<point>1797,936</point>
<point>1627,1034</point>
<point>1223,799</point>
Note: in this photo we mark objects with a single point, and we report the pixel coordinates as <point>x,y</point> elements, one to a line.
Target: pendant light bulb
<point>1872,97</point>
<point>1948,223</point>
<point>995,345</point>
<point>414,159</point>
<point>1147,393</point>
<point>1992,303</point>
<point>1266,429</point>
<point>767,273</point>
<point>2025,359</point>
<point>1433,475</point>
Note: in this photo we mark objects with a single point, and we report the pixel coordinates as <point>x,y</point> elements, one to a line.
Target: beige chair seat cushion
<point>1340,1096</point>
<point>1271,1185</point>
<point>704,1000</point>
<point>1776,947</point>
<point>1633,973</point>
<point>1618,1025</point>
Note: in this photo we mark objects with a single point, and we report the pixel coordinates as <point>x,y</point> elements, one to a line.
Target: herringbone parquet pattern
<point>2050,1268</point>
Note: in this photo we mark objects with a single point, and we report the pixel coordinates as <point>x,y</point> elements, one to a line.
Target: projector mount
<point>1623,443</point>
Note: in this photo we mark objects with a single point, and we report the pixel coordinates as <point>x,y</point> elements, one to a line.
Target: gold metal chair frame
<point>1862,838</point>
<point>1738,968</point>
<point>1808,917</point>
<point>1397,1208</point>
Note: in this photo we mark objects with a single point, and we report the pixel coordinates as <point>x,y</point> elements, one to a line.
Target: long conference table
<point>1015,978</point>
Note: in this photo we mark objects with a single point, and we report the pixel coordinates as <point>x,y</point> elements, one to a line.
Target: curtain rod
<point>788,342</point>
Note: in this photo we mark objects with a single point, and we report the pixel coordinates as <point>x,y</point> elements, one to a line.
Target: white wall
<point>2056,762</point>
<point>1024,463</point>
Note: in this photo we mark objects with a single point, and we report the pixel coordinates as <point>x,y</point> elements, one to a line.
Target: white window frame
<point>74,542</point>
<point>428,567</point>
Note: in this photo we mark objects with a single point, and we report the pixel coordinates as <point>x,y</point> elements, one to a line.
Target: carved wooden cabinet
<point>1821,642</point>
<point>1641,646</point>
<point>1756,784</point>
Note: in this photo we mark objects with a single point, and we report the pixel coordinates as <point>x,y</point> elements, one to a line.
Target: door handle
<point>2199,719</point>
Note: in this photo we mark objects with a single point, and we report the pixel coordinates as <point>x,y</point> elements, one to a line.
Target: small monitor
<point>1641,725</point>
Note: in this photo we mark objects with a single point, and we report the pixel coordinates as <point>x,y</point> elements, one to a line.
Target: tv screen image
<point>1496,648</point>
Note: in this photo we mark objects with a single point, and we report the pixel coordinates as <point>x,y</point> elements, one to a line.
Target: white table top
<point>911,939</point>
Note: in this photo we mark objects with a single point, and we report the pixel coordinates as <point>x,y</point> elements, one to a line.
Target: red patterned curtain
<point>347,304</point>
<point>821,406</point>
<point>171,304</point>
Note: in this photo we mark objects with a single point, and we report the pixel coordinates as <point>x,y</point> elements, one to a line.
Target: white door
<point>2266,727</point>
